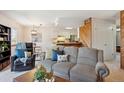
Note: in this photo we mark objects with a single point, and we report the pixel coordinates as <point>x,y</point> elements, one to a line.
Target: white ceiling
<point>57,17</point>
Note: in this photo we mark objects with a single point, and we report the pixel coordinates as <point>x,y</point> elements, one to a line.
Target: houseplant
<point>40,74</point>
<point>4,46</point>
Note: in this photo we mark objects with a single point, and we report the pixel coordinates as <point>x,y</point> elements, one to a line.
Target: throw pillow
<point>20,53</point>
<point>62,58</point>
<point>55,53</point>
<point>27,54</point>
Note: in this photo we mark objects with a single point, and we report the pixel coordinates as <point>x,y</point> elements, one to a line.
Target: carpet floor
<point>7,76</point>
<point>116,74</point>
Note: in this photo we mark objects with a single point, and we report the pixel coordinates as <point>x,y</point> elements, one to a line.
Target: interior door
<point>103,38</point>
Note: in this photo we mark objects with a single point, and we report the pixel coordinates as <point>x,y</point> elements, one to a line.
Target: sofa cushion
<point>55,53</point>
<point>48,64</point>
<point>87,56</point>
<point>20,53</point>
<point>62,69</point>
<point>18,62</point>
<point>27,54</point>
<point>72,52</point>
<point>20,46</point>
<point>84,73</point>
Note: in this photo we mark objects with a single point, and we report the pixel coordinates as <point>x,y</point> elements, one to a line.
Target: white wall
<point>104,37</point>
<point>4,20</point>
<point>27,34</point>
<point>47,33</point>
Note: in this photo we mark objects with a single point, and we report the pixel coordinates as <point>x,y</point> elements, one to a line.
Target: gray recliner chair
<point>89,67</point>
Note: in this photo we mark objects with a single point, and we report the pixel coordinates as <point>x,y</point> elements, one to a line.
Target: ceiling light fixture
<point>68,28</point>
<point>33,31</point>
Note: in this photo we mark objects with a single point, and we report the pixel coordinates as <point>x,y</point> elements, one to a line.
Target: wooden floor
<point>116,74</point>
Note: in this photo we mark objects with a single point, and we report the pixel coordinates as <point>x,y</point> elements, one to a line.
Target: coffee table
<point>28,77</point>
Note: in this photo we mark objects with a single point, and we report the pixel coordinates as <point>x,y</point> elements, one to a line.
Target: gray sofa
<point>84,65</point>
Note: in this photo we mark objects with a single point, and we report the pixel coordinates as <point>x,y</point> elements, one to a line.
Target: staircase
<point>86,33</point>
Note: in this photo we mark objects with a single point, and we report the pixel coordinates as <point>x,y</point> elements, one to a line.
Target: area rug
<point>7,76</point>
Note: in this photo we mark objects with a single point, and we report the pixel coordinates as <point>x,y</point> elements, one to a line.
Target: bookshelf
<point>5,46</point>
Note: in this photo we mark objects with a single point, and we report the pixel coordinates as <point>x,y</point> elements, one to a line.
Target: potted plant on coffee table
<point>40,74</point>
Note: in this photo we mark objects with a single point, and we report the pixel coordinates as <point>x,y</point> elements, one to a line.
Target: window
<point>13,36</point>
